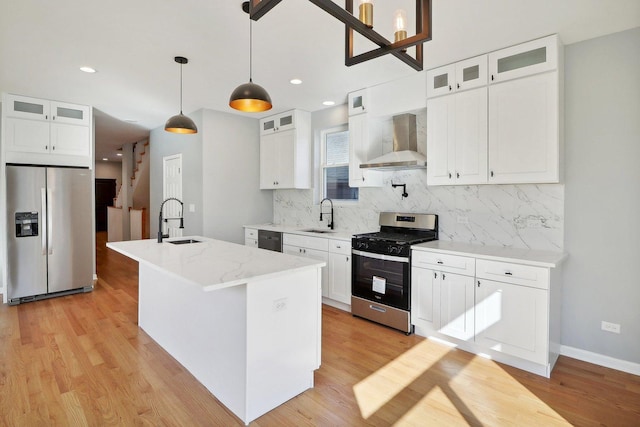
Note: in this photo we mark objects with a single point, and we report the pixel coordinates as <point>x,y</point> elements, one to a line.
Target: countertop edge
<point>310,264</point>
<point>537,258</point>
<point>331,235</point>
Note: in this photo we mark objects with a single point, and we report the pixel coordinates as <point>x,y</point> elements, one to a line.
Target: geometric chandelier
<point>364,26</point>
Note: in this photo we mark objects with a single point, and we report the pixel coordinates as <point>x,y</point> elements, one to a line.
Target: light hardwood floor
<point>82,360</point>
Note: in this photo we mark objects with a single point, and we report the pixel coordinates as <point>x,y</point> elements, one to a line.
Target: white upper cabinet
<point>536,56</point>
<point>506,131</point>
<point>364,144</point>
<point>463,75</point>
<point>457,138</point>
<point>525,113</point>
<point>46,132</point>
<point>457,123</point>
<point>285,151</point>
<point>524,130</point>
<point>278,123</point>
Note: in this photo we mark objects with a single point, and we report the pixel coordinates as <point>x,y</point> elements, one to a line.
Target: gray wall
<point>220,176</point>
<point>164,144</point>
<point>231,176</point>
<point>602,195</point>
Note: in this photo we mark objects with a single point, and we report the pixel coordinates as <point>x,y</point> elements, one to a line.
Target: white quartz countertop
<point>537,258</point>
<point>329,234</point>
<point>212,264</point>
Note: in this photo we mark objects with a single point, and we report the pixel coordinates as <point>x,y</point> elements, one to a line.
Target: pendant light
<point>180,123</point>
<point>250,97</point>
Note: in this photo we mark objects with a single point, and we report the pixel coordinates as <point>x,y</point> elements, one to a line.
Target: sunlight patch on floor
<point>376,390</point>
<point>434,384</point>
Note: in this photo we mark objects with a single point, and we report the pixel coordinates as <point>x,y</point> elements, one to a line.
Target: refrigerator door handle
<point>44,222</point>
<point>49,221</point>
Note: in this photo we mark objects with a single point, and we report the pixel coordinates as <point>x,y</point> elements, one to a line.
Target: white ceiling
<point>132,45</point>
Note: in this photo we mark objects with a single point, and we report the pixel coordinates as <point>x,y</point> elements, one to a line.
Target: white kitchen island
<point>245,322</point>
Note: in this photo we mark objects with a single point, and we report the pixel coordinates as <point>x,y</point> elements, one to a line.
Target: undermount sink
<point>315,230</point>
<point>183,241</point>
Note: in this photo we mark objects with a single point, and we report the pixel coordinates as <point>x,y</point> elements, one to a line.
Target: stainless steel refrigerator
<point>50,227</point>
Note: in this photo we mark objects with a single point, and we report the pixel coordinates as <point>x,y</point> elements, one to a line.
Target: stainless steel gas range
<point>381,267</point>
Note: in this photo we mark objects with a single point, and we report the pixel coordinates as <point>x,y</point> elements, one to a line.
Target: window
<point>335,165</point>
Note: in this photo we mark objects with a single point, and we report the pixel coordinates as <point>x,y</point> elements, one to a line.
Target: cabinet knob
<point>46,147</point>
<point>347,259</point>
<point>449,175</point>
<point>443,276</point>
<point>508,273</point>
<point>491,174</point>
<point>435,275</point>
<point>491,77</point>
<point>439,261</point>
<point>53,147</point>
<point>458,85</point>
<point>449,88</point>
<point>53,117</point>
<point>457,175</point>
<point>478,283</point>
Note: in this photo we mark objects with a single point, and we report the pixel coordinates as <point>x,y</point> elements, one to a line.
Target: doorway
<point>172,187</point>
<point>105,193</point>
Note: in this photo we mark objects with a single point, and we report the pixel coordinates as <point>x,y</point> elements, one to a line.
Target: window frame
<point>323,165</point>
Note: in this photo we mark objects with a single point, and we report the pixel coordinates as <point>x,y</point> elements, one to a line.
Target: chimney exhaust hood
<point>405,148</point>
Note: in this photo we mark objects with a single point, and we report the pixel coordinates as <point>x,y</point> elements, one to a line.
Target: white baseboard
<point>600,359</point>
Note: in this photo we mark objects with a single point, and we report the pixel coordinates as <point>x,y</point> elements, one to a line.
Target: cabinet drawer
<point>340,247</point>
<point>317,243</point>
<point>250,233</point>
<point>444,262</point>
<point>536,277</point>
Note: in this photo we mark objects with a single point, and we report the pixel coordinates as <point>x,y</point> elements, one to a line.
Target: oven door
<point>381,278</point>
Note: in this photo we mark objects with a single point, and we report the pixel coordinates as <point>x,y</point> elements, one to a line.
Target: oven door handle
<point>381,256</point>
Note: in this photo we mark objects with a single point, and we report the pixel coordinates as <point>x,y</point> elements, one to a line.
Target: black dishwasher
<point>271,240</point>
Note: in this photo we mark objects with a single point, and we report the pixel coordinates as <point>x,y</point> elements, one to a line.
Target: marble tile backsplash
<point>529,216</point>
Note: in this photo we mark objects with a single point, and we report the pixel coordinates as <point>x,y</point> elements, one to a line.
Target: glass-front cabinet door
<point>27,108</point>
<point>358,102</point>
<point>471,73</point>
<point>441,81</point>
<point>534,57</point>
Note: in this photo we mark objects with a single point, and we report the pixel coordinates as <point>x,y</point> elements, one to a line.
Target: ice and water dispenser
<point>26,224</point>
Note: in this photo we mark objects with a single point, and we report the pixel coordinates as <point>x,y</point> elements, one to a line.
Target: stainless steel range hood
<point>405,148</point>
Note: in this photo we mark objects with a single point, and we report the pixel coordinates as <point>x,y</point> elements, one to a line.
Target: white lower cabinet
<point>512,319</point>
<point>251,237</point>
<point>442,297</point>
<point>508,310</point>
<point>309,247</point>
<point>340,271</point>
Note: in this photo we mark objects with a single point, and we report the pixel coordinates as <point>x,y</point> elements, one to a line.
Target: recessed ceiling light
<point>105,159</point>
<point>295,81</point>
<point>329,103</point>
<point>88,69</point>
<point>119,154</point>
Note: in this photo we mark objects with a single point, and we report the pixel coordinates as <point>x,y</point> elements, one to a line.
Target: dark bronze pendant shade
<point>250,97</point>
<point>180,123</point>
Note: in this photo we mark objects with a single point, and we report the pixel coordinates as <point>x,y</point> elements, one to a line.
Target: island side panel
<point>204,331</point>
<point>283,338</point>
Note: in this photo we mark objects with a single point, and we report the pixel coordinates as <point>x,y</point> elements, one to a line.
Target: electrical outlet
<point>463,219</point>
<point>611,327</point>
<point>279,304</point>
